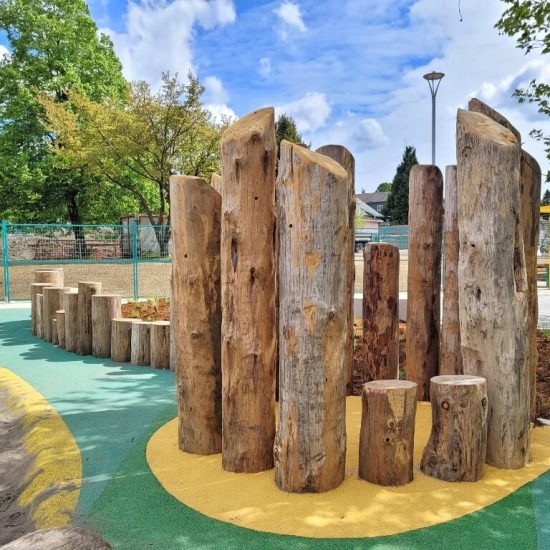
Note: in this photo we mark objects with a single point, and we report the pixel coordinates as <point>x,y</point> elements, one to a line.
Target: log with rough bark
<point>450,353</point>
<point>121,339</point>
<point>248,264</point>
<point>105,307</point>
<point>160,344</point>
<point>343,157</point>
<point>39,315</point>
<point>492,281</point>
<point>36,288</point>
<point>86,290</point>
<point>54,277</point>
<point>216,183</point>
<point>196,296</point>
<point>172,323</point>
<point>141,343</point>
<point>386,442</point>
<point>313,225</point>
<point>52,302</point>
<point>54,340</point>
<point>70,305</point>
<point>424,276</point>
<point>60,317</point>
<point>381,311</point>
<point>458,440</point>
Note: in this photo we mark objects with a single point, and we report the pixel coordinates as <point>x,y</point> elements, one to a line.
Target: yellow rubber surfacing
<point>55,475</point>
<point>355,509</point>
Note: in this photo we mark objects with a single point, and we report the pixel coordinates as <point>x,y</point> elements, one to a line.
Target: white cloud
<point>221,111</point>
<point>3,52</point>
<point>290,15</point>
<point>309,112</point>
<point>370,134</point>
<point>265,67</point>
<point>214,90</point>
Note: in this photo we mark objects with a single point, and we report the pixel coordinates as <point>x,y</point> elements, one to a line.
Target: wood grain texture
<point>386,442</point>
<point>477,106</point>
<point>70,305</point>
<point>381,311</point>
<point>54,340</point>
<point>39,315</point>
<point>216,183</point>
<point>492,281</point>
<point>458,440</point>
<point>424,276</point>
<point>86,290</point>
<point>450,353</point>
<point>345,159</point>
<point>160,345</point>
<point>51,303</point>
<point>141,343</point>
<point>52,276</point>
<point>121,339</point>
<point>36,288</point>
<point>60,317</point>
<point>248,264</point>
<point>105,307</point>
<point>313,225</point>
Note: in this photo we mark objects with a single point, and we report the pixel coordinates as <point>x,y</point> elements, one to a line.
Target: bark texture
<point>381,311</point>
<point>121,339</point>
<point>54,340</point>
<point>85,292</point>
<point>105,307</point>
<point>36,288</point>
<point>216,183</point>
<point>310,447</point>
<point>70,305</point>
<point>196,295</point>
<point>160,345</point>
<point>52,302</point>
<point>424,276</point>
<point>386,442</point>
<point>458,440</point>
<point>60,317</point>
<point>492,281</point>
<point>248,264</point>
<point>39,315</point>
<point>450,353</point>
<point>141,343</point>
<point>343,157</point>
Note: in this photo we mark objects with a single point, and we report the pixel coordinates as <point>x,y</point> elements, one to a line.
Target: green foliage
<point>285,128</point>
<point>397,207</point>
<point>546,198</point>
<point>384,187</point>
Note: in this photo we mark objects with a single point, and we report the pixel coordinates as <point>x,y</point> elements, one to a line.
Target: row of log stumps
<point>83,320</point>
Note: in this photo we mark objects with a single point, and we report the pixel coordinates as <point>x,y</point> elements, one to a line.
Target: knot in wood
<point>387,439</point>
<point>445,405</point>
<point>484,402</point>
<point>332,314</point>
<point>391,423</point>
<point>195,334</point>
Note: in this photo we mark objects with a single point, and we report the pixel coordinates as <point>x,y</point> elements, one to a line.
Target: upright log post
<point>345,159</point>
<point>36,288</point>
<point>105,307</point>
<point>313,225</point>
<point>458,440</point>
<point>86,290</point>
<point>381,311</point>
<point>70,305</point>
<point>53,277</point>
<point>492,281</point>
<point>39,315</point>
<point>173,320</point>
<point>52,302</point>
<point>60,317</point>
<point>141,343</point>
<point>121,339</point>
<point>450,353</point>
<point>386,442</point>
<point>54,340</point>
<point>424,276</point>
<point>248,263</point>
<point>160,345</point>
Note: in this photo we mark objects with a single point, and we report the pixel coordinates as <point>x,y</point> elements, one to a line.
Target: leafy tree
<point>384,187</point>
<point>546,198</point>
<point>397,207</point>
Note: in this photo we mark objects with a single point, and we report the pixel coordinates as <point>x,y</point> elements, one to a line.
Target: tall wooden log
<point>54,340</point>
<point>458,440</point>
<point>386,442</point>
<point>313,224</point>
<point>54,277</point>
<point>70,305</point>
<point>248,264</point>
<point>345,159</point>
<point>52,302</point>
<point>492,281</point>
<point>216,183</point>
<point>477,106</point>
<point>60,317</point>
<point>530,213</point>
<point>160,345</point>
<point>121,339</point>
<point>450,353</point>
<point>86,290</point>
<point>424,276</point>
<point>173,322</point>
<point>36,288</point>
<point>381,311</point>
<point>141,343</point>
<point>105,307</point>
<point>39,315</point>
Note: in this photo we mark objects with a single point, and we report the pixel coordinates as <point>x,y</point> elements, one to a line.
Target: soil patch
<point>148,310</point>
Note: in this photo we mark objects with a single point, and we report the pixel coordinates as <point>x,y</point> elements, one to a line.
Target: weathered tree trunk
<point>52,302</point>
<point>121,339</point>
<point>141,343</point>
<point>477,106</point>
<point>196,295</point>
<point>54,277</point>
<point>310,446</point>
<point>381,311</point>
<point>54,340</point>
<point>530,206</point>
<point>70,305</point>
<point>60,317</point>
<point>492,281</point>
<point>458,441</point>
<point>450,353</point>
<point>36,288</point>
<point>386,442</point>
<point>85,292</point>
<point>343,157</point>
<point>424,277</point>
<point>248,263</point>
<point>216,183</point>
<point>105,307</point>
<point>160,345</point>
<point>40,315</point>
<point>172,316</point>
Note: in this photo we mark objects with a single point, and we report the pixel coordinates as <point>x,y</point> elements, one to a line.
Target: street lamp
<point>434,80</point>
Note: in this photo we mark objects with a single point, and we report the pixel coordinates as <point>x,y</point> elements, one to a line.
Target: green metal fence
<point>130,259</point>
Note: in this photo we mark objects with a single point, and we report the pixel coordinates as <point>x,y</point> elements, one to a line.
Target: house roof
<point>380,196</point>
<point>367,210</point>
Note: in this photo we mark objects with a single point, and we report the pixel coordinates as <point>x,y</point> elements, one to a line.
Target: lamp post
<point>434,80</point>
